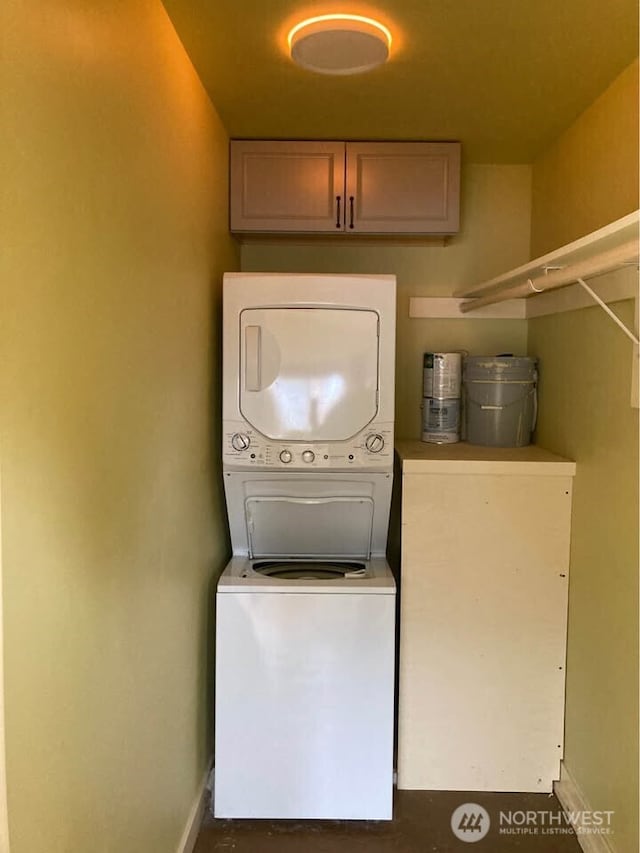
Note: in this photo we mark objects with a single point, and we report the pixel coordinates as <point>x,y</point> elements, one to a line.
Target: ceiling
<point>505,77</point>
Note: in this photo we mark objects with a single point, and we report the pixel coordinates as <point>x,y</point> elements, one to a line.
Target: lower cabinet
<point>484,587</point>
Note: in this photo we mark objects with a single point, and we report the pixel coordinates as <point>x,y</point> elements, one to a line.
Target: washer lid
<point>279,526</point>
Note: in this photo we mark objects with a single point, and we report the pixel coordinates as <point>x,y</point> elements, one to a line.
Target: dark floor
<point>421,824</point>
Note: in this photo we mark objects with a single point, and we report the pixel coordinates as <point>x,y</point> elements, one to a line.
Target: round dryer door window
<point>309,374</point>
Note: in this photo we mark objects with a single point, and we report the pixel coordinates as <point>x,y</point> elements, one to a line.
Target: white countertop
<point>419,457</point>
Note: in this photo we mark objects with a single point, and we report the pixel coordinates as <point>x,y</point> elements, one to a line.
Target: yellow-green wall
<point>114,180</point>
<point>586,179</point>
<point>494,237</point>
<point>589,176</point>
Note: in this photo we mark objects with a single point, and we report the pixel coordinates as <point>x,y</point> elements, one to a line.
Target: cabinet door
<point>403,187</point>
<point>287,186</point>
<point>483,631</point>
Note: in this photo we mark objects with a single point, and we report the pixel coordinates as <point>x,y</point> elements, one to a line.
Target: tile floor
<point>421,824</point>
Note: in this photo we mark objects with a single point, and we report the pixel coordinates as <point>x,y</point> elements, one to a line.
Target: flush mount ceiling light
<point>339,44</point>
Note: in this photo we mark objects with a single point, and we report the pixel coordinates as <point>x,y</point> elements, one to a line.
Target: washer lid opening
<point>310,570</point>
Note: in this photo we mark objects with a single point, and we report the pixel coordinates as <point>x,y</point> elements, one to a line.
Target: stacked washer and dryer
<point>305,621</point>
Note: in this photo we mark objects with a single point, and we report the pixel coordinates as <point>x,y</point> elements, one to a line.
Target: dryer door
<point>308,374</point>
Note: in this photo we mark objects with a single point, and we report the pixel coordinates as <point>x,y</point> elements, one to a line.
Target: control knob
<point>374,442</point>
<point>240,441</point>
<point>285,456</point>
<point>308,455</point>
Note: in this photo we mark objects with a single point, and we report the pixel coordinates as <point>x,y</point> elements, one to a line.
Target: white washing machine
<point>305,622</point>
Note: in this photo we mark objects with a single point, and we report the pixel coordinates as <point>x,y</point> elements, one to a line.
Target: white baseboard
<point>573,800</point>
<point>192,827</point>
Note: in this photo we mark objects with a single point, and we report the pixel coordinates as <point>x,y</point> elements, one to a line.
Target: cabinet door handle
<point>338,223</point>
<point>350,211</point>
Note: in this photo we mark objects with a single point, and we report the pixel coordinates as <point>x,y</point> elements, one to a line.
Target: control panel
<point>245,447</point>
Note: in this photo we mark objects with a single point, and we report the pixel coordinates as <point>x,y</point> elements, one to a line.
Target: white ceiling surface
<point>505,77</point>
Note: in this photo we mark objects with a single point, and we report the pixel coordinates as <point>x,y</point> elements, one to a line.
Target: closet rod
<point>593,266</point>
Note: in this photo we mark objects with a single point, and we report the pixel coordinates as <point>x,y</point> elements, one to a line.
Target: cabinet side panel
<point>483,631</point>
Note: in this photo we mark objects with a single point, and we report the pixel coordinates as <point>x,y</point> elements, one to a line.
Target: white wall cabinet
<point>484,585</point>
<point>345,188</point>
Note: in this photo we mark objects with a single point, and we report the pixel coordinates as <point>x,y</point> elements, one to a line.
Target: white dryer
<point>306,608</point>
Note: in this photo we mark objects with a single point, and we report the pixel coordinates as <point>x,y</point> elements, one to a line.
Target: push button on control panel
<point>308,456</point>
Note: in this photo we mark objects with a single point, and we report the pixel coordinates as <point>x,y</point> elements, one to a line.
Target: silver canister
<point>441,397</point>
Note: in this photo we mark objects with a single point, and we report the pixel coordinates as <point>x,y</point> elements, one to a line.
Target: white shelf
<point>441,307</point>
<point>546,285</point>
<point>611,288</point>
<point>612,236</point>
